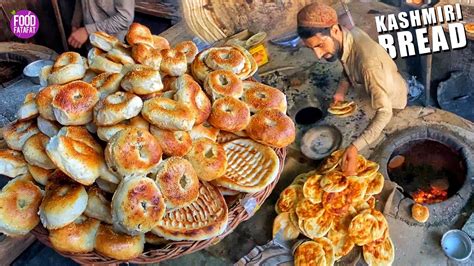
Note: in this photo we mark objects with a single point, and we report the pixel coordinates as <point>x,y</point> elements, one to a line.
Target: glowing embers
<point>428,171</point>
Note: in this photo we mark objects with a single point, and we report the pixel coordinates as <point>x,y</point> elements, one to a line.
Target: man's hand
<point>349,161</point>
<point>78,37</point>
<point>338,97</point>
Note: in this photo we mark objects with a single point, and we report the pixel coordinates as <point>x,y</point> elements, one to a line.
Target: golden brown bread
<point>77,154</point>
<point>173,143</point>
<point>208,159</point>
<point>189,49</point>
<point>74,103</point>
<point>271,127</point>
<point>138,33</point>
<point>63,202</point>
<point>178,182</point>
<point>259,96</point>
<point>98,206</point>
<point>204,130</point>
<point>188,92</point>
<point>99,63</point>
<point>40,175</point>
<point>76,237</point>
<point>168,114</point>
<point>367,226</point>
<point>107,132</point>
<point>121,54</point>
<point>28,110</point>
<point>229,114</point>
<point>288,199</point>
<point>334,181</point>
<point>19,201</point>
<point>103,40</point>
<point>34,151</point>
<point>312,189</point>
<point>118,245</point>
<point>160,43</point>
<point>106,83</point>
<point>18,132</point>
<point>47,127</point>
<point>379,254</point>
<point>142,80</point>
<point>116,108</point>
<point>69,66</point>
<point>199,69</point>
<point>420,213</point>
<point>221,83</point>
<point>282,222</point>
<point>12,163</point>
<point>310,253</point>
<point>132,152</point>
<point>137,205</point>
<point>44,99</point>
<point>226,58</point>
<point>173,62</point>
<point>205,218</point>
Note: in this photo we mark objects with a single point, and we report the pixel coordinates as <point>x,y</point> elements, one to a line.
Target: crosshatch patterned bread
<point>251,166</point>
<point>205,218</point>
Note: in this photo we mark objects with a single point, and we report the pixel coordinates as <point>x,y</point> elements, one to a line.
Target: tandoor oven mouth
<point>433,165</point>
<point>11,68</point>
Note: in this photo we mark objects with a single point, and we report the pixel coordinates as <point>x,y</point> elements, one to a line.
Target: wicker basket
<point>154,254</point>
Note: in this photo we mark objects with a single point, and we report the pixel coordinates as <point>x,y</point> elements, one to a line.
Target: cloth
<point>367,65</point>
<point>317,15</point>
<point>111,16</point>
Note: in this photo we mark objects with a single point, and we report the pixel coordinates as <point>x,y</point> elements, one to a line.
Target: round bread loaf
<point>98,206</point>
<point>142,80</point>
<point>106,83</point>
<point>117,107</point>
<point>259,96</point>
<point>98,62</point>
<point>28,109</point>
<point>76,237</point>
<point>204,130</point>
<point>199,69</point>
<point>20,200</point>
<point>107,132</point>
<point>153,60</point>
<point>77,154</point>
<point>121,54</point>
<point>168,114</point>
<point>227,58</point>
<point>106,186</point>
<point>69,66</point>
<point>420,213</point>
<point>271,127</point>
<point>40,175</point>
<point>34,151</point>
<point>178,182</point>
<point>44,99</point>
<point>47,127</point>
<point>173,63</point>
<point>173,143</point>
<point>208,159</point>
<point>74,103</point>
<point>137,205</point>
<point>117,245</point>
<point>188,92</point>
<point>229,114</point>
<point>189,49</point>
<point>140,52</point>
<point>18,132</point>
<point>138,33</point>
<point>132,152</point>
<point>63,203</point>
<point>160,43</point>
<point>221,83</point>
<point>103,40</point>
<point>12,163</point>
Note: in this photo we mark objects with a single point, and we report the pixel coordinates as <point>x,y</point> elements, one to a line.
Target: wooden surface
<point>11,248</point>
<point>158,8</point>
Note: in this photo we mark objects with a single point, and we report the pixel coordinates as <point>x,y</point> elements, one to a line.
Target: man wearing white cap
<point>366,64</point>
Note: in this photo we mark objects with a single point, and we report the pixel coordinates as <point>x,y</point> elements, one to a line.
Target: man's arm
<point>342,88</point>
<point>374,80</point>
<point>120,21</point>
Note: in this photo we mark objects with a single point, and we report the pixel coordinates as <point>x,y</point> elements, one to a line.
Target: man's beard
<point>337,51</point>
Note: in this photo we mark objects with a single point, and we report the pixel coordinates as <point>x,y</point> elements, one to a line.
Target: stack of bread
<point>336,212</point>
<point>125,147</point>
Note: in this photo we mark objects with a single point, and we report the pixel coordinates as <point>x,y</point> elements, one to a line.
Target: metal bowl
<point>33,70</point>
<point>320,141</point>
<point>457,245</point>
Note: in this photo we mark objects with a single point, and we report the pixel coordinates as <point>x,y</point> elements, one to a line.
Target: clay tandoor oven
<point>433,165</point>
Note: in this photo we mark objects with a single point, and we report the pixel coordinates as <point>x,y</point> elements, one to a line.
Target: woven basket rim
<point>237,215</point>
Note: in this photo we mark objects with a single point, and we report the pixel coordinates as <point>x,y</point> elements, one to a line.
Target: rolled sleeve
<point>375,82</point>
<point>118,22</point>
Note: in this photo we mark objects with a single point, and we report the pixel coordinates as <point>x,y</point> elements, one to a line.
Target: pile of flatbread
<point>336,212</point>
<point>343,109</point>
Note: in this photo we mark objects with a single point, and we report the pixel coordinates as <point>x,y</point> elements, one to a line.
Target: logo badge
<point>24,24</point>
